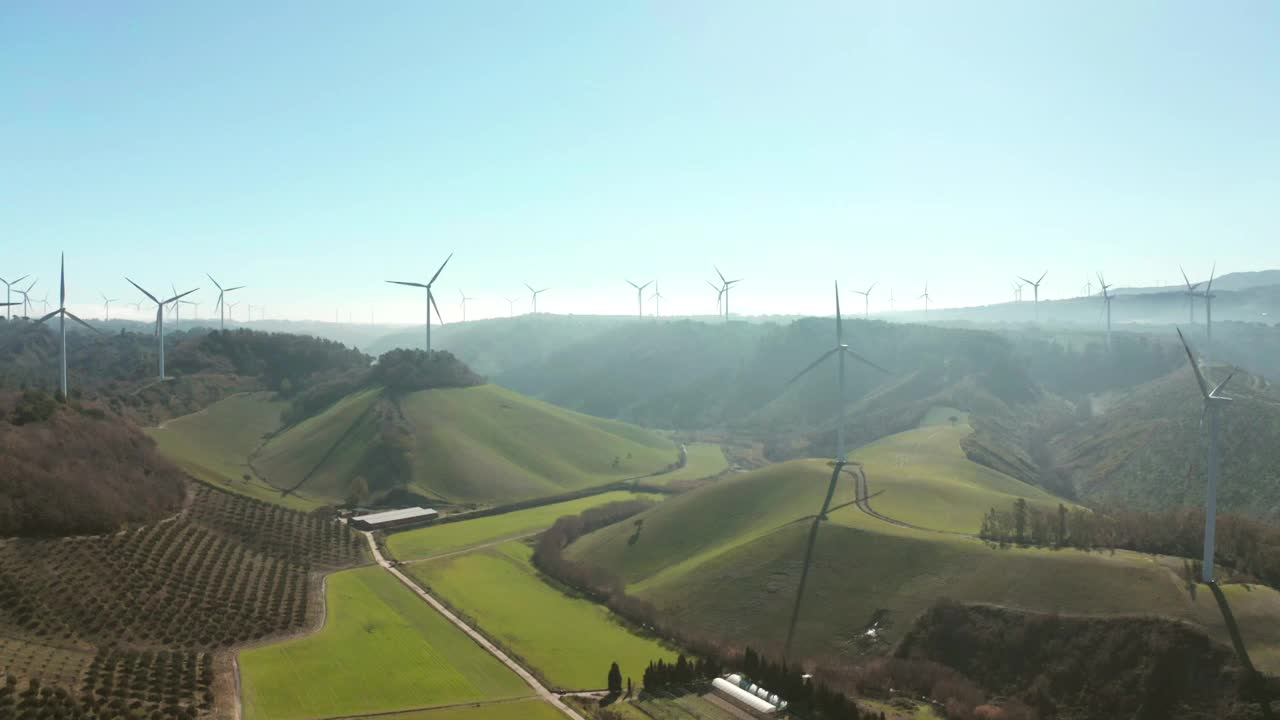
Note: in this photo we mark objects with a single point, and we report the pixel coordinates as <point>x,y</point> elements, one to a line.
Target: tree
<point>1020,520</point>
<point>630,688</point>
<point>359,491</point>
<point>615,679</point>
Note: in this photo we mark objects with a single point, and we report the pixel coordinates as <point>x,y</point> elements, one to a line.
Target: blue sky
<point>313,149</point>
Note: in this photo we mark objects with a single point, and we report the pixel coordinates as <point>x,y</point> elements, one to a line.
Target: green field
<point>518,710</point>
<point>705,460</point>
<point>726,558</point>
<point>214,444</point>
<point>667,707</point>
<point>450,537</point>
<point>568,641</point>
<point>382,649</point>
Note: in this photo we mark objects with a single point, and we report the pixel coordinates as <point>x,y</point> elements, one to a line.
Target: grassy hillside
<point>382,649</point>
<point>319,456</point>
<point>726,559</point>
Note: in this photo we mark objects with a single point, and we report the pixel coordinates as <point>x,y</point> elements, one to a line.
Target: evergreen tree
<point>615,679</point>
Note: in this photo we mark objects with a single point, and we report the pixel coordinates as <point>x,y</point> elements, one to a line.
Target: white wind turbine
<point>640,296</point>
<point>841,351</point>
<point>106,306</point>
<point>1208,308</point>
<point>535,294</point>
<point>8,300</point>
<point>511,306</point>
<point>44,303</point>
<point>1214,401</point>
<point>464,302</point>
<point>866,299</point>
<point>1035,286</point>
<point>925,296</point>
<point>719,298</point>
<point>221,306</point>
<point>26,299</point>
<point>431,298</point>
<point>1191,294</point>
<point>726,284</point>
<point>62,313</point>
<point>160,305</point>
<point>656,297</point>
<point>1106,299</point>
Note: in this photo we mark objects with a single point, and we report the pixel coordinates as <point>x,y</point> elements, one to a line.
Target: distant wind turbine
<point>1017,291</point>
<point>106,306</point>
<point>465,300</point>
<point>841,351</point>
<point>8,300</point>
<point>1191,294</point>
<point>719,298</point>
<point>511,306</point>
<point>44,303</point>
<point>1214,402</point>
<point>231,311</point>
<point>866,299</point>
<point>431,298</point>
<point>726,284</point>
<point>535,294</point>
<point>1035,286</point>
<point>62,313</point>
<point>160,317</point>
<point>656,297</point>
<point>640,296</point>
<point>892,307</point>
<point>925,295</point>
<point>1106,299</point>
<point>1208,307</point>
<point>221,306</point>
<point>26,299</point>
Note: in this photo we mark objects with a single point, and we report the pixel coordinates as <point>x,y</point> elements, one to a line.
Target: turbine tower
<point>44,303</point>
<point>1191,294</point>
<point>719,298</point>
<point>106,306</point>
<point>726,284</point>
<point>62,314</point>
<point>1106,300</point>
<point>639,296</point>
<point>1035,286</point>
<point>160,317</point>
<point>656,297</point>
<point>511,306</point>
<point>1017,291</point>
<point>26,299</point>
<point>8,301</point>
<point>1214,401</point>
<point>222,308</point>
<point>866,299</point>
<point>925,295</point>
<point>1208,308</point>
<point>431,298</point>
<point>841,351</point>
<point>535,294</point>
<point>464,302</point>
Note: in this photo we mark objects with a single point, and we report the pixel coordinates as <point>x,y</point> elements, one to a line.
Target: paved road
<point>481,640</point>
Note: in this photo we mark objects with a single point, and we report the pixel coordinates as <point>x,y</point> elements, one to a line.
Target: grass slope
<point>726,558</point>
<point>569,641</point>
<point>518,710</point>
<point>381,649</point>
<point>215,443</point>
<point>320,455</point>
<point>705,460</point>
<point>487,444</point>
<point>437,539</point>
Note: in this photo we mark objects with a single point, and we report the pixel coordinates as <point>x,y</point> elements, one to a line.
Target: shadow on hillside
<point>1255,687</point>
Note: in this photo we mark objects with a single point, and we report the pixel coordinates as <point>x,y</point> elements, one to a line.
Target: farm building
<point>404,517</point>
<point>747,695</point>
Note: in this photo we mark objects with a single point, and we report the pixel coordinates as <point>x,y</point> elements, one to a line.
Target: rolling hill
<point>726,558</point>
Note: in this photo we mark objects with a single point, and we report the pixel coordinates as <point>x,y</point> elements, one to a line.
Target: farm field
<point>690,706</point>
<point>568,641</point>
<point>214,444</point>
<point>381,649</point>
<point>705,460</point>
<point>519,710</point>
<point>727,556</point>
<point>449,537</point>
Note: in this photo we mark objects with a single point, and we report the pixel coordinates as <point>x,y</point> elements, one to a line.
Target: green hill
<point>479,444</point>
<point>726,558</point>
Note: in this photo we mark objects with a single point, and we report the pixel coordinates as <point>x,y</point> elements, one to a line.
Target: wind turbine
<point>925,295</point>
<point>892,307</point>
<point>8,301</point>
<point>535,294</point>
<point>26,299</point>
<point>1087,287</point>
<point>1214,401</point>
<point>841,351</point>
<point>726,284</point>
<point>177,309</point>
<point>1106,299</point>
<point>231,310</point>
<point>62,313</point>
<point>44,303</point>
<point>866,299</point>
<point>1191,294</point>
<point>1208,308</point>
<point>1017,291</point>
<point>106,306</point>
<point>222,308</point>
<point>1035,286</point>
<point>431,298</point>
<point>719,298</point>
<point>640,296</point>
<point>160,317</point>
<point>511,306</point>
<point>465,299</point>
<point>656,297</point>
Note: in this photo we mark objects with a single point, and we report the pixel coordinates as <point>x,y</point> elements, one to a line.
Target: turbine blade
<point>1046,272</point>
<point>178,297</point>
<point>46,317</point>
<point>530,288</point>
<point>633,285</point>
<point>1029,282</point>
<point>238,287</point>
<point>865,361</point>
<point>1215,391</point>
<point>433,277</point>
<point>873,287</point>
<point>410,284</point>
<point>1195,366</point>
<point>719,273</point>
<point>215,282</point>
<point>144,292</point>
<point>642,287</point>
<point>839,323</point>
<point>814,364</point>
<point>1209,288</point>
<point>73,317</point>
<point>1185,279</point>
<point>431,297</point>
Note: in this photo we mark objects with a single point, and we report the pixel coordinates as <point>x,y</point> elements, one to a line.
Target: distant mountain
<point>1231,281</point>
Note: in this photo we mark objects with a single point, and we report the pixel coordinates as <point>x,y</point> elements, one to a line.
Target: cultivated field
<point>568,641</point>
<point>668,706</point>
<point>705,460</point>
<point>517,710</point>
<point>215,443</point>
<point>450,537</point>
<point>381,649</point>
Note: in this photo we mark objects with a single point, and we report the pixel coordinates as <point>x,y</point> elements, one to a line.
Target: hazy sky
<point>313,149</point>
